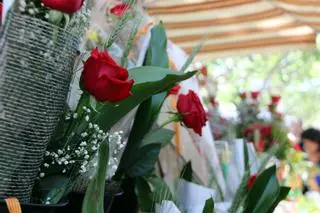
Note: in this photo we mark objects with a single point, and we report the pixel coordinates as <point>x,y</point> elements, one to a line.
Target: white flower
<point>64,171</point>
<point>86,157</point>
<point>87,118</point>
<point>90,125</point>
<point>94,148</point>
<point>42,174</point>
<point>46,165</point>
<point>47,153</point>
<point>60,152</point>
<point>83,143</point>
<point>84,134</point>
<point>75,115</point>
<point>31,11</point>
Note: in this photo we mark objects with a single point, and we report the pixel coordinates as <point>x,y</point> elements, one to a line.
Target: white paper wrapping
<point>6,6</point>
<point>166,207</point>
<point>192,197</point>
<point>236,165</point>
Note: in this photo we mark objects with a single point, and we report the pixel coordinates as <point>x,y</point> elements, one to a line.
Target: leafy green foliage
<point>241,192</point>
<point>187,172</point>
<point>151,190</point>
<point>143,159</point>
<point>265,193</point>
<point>147,112</point>
<point>294,75</point>
<point>157,51</point>
<point>209,206</point>
<point>52,188</point>
<point>193,54</point>
<point>94,197</point>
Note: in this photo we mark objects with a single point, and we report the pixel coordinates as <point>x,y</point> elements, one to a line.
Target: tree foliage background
<point>293,75</point>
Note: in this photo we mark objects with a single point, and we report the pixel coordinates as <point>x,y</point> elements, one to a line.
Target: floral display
<point>85,126</point>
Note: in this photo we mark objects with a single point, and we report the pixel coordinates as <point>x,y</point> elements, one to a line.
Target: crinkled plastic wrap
<point>36,64</point>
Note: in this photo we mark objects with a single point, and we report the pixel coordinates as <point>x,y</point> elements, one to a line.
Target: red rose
<point>104,79</point>
<point>175,90</point>
<point>243,95</point>
<point>297,147</point>
<point>251,181</point>
<point>64,6</point>
<point>192,111</point>
<point>204,70</point>
<point>255,95</point>
<point>119,9</point>
<point>248,131</point>
<point>214,102</point>
<point>261,146</point>
<point>275,99</point>
<point>266,130</point>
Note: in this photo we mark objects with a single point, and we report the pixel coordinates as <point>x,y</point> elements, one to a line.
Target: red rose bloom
<point>251,181</point>
<point>214,102</point>
<point>192,111</point>
<point>204,70</point>
<point>104,79</point>
<point>255,95</point>
<point>248,131</point>
<point>64,6</point>
<point>266,130</point>
<point>297,147</point>
<point>261,146</point>
<point>175,90</point>
<point>119,9</point>
<point>275,99</point>
<point>243,95</point>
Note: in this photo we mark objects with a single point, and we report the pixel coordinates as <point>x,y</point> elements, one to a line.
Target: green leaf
<point>259,188</point>
<point>151,190</point>
<point>53,188</point>
<point>240,196</point>
<point>193,54</point>
<point>148,81</point>
<point>269,196</point>
<point>187,172</point>
<point>246,157</point>
<point>94,198</point>
<point>157,51</point>
<point>160,136</point>
<point>209,206</point>
<point>145,161</point>
<point>284,191</point>
<point>143,158</point>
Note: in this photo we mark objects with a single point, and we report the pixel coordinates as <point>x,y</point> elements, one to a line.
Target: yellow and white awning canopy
<point>235,27</point>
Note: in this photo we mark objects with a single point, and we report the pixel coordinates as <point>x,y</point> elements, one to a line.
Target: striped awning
<point>234,27</point>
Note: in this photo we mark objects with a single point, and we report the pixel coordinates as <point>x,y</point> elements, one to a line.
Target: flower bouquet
<point>38,52</point>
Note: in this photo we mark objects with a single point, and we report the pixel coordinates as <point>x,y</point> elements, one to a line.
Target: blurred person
<point>311,145</point>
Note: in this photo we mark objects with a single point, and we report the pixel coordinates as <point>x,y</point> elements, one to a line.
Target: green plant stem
<point>174,118</point>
